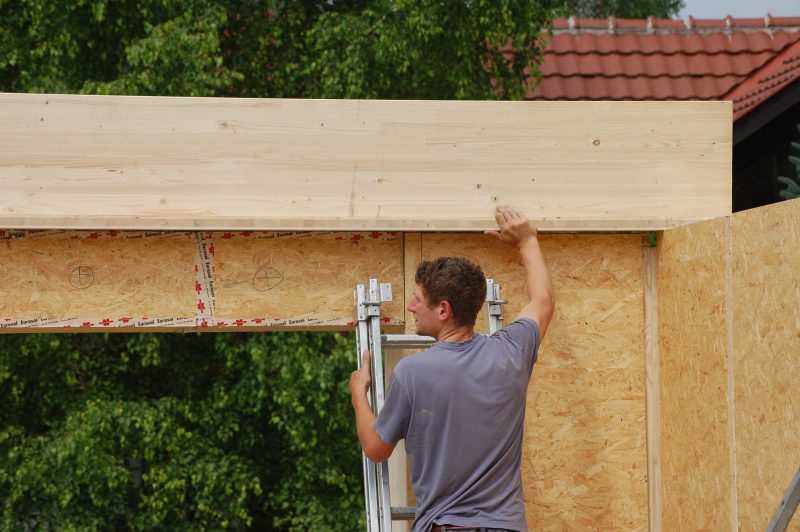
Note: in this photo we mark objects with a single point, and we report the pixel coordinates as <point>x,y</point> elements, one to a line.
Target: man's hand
<point>360,379</point>
<point>515,229</point>
<point>374,447</point>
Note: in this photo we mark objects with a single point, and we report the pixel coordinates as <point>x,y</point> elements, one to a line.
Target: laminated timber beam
<point>161,163</point>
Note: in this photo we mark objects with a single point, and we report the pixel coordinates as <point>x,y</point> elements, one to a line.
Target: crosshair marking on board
<point>81,277</point>
<point>267,279</point>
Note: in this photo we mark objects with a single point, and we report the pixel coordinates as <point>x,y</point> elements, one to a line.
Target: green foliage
<point>430,49</point>
<point>620,8</point>
<point>423,49</point>
<point>179,57</point>
<point>178,432</point>
<point>792,186</point>
<point>144,47</point>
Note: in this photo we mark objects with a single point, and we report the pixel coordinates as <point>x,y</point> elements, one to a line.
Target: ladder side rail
<point>787,507</point>
<point>368,466</point>
<point>378,390</point>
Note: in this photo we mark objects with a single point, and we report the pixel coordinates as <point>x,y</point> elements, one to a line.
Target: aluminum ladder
<point>787,507</point>
<point>368,299</point>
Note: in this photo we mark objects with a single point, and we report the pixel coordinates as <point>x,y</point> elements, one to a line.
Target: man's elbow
<point>378,451</point>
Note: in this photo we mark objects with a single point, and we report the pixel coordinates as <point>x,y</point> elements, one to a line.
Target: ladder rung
<point>406,341</point>
<point>403,512</point>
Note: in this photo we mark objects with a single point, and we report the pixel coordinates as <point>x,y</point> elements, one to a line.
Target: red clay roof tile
<point>655,59</point>
<point>774,75</point>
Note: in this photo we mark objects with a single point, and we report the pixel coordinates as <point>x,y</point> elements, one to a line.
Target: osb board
<point>584,455</point>
<point>310,277</point>
<point>695,439</point>
<point>111,280</point>
<point>766,341</point>
<point>78,161</point>
<point>57,279</point>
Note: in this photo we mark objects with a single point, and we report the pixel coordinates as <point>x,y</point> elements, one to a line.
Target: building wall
<point>584,456</point>
<point>730,360</point>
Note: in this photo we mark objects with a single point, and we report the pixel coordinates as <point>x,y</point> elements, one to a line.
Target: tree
<point>165,47</point>
<point>620,8</point>
<point>119,431</point>
<point>160,431</point>
<point>409,49</point>
<point>474,49</point>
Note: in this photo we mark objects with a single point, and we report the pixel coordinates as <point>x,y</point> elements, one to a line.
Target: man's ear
<point>445,310</point>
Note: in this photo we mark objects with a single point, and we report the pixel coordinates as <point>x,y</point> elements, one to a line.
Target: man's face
<point>426,319</point>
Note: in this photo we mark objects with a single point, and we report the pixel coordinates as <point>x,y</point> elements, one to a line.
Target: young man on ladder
<point>460,405</point>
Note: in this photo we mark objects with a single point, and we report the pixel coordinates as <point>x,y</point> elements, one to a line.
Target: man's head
<point>449,290</point>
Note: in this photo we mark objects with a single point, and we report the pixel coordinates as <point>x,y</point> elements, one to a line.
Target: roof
<point>770,79</point>
<point>744,60</point>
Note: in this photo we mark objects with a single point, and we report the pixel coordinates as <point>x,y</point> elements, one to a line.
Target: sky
<point>740,8</point>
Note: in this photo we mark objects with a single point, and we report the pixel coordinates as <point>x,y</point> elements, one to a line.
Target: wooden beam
<point>158,163</point>
<point>651,367</point>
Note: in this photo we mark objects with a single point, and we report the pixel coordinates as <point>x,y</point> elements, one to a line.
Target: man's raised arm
<point>516,230</point>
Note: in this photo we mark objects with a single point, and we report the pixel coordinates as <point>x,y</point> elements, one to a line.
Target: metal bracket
<point>494,308</point>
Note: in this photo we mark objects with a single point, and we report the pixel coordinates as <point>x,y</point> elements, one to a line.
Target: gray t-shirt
<point>461,409</point>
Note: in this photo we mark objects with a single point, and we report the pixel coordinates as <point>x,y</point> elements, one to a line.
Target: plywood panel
<point>584,457</point>
<point>72,161</point>
<point>695,444</point>
<point>766,341</point>
<point>57,280</point>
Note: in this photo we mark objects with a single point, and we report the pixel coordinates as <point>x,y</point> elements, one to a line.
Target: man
<point>460,405</point>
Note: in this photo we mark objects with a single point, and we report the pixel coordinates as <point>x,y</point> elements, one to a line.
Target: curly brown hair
<point>457,280</point>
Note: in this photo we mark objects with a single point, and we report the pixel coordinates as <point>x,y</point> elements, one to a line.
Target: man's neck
<point>455,334</point>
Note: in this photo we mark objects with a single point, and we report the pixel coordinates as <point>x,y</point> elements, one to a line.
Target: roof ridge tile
<point>689,24</point>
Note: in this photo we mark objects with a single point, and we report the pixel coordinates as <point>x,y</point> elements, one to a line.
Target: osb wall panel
<point>695,450</point>
<point>584,457</point>
<point>766,342</point>
<point>305,278</point>
<point>57,276</point>
<point>110,280</point>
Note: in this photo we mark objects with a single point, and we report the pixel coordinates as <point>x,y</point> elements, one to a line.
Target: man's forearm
<point>539,284</point>
<point>365,419</point>
<point>374,447</point>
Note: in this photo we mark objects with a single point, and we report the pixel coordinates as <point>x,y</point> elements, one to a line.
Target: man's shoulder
<point>420,362</point>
